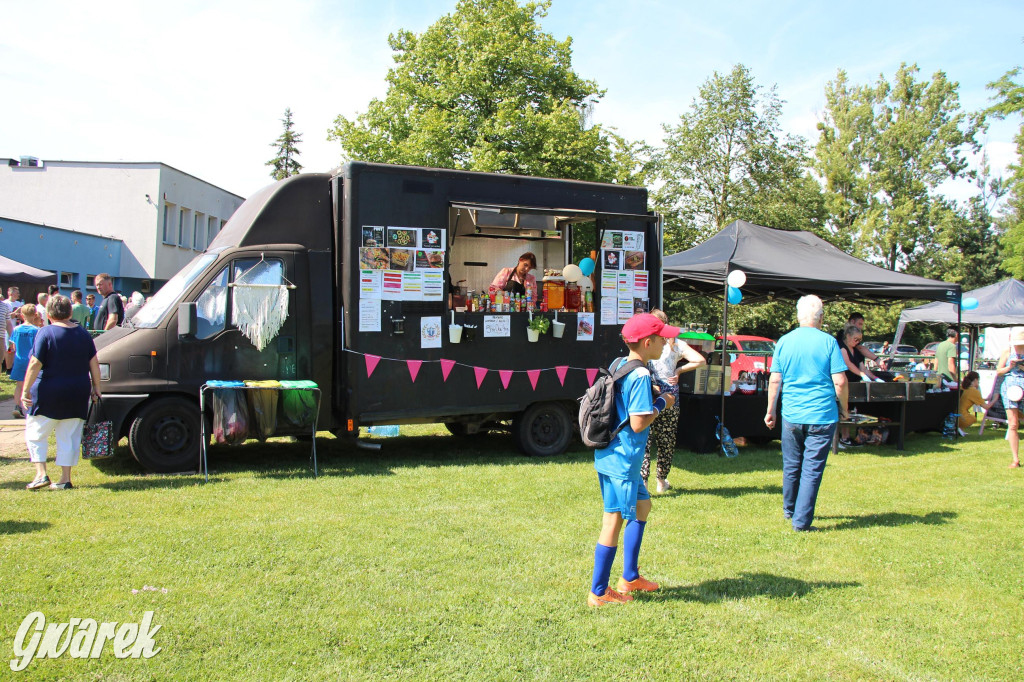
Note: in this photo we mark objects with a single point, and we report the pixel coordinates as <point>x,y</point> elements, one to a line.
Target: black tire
<point>457,429</point>
<point>164,437</point>
<point>543,430</point>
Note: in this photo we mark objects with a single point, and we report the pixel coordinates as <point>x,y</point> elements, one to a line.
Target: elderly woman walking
<point>61,376</point>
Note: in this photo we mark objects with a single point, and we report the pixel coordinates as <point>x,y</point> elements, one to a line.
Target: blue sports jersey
<point>807,358</point>
<point>23,338</point>
<point>624,456</point>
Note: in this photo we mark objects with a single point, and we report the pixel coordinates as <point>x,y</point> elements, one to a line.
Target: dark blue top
<point>64,385</point>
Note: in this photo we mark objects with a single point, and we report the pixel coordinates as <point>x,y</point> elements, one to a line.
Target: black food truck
<point>394,313</point>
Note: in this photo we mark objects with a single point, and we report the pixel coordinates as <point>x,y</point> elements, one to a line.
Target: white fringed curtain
<point>259,308</point>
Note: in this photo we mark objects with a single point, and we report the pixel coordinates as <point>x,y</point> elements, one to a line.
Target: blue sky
<point>202,85</point>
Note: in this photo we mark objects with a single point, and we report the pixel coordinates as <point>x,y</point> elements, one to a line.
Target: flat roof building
<point>153,218</point>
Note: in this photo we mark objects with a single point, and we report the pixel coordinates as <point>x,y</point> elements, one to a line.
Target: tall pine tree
<point>285,164</point>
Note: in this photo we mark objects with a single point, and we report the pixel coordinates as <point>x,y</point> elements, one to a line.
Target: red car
<point>748,353</point>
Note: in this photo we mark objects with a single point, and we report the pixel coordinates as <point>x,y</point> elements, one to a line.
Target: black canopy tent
<point>13,272</point>
<point>788,264</point>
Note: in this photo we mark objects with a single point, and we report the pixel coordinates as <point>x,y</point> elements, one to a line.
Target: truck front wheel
<point>543,430</point>
<point>164,437</point>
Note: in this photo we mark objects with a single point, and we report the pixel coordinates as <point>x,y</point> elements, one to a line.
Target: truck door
<point>219,350</point>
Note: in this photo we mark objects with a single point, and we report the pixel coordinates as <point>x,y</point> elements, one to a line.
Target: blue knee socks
<point>603,558</point>
<point>633,536</point>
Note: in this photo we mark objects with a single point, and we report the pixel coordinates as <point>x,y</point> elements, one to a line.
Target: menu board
<point>624,276</point>
<point>411,260</point>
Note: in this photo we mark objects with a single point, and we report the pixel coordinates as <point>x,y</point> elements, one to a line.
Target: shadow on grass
<point>888,519</point>
<point>14,527</point>
<point>728,491</point>
<point>748,585</point>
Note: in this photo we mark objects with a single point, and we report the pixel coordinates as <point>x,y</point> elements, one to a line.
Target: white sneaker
<point>962,432</point>
<point>663,485</point>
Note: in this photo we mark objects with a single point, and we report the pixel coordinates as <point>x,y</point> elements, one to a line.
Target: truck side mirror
<point>187,320</point>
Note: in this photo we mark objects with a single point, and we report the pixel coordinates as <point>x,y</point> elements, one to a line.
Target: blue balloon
<point>735,295</point>
<point>587,266</point>
<point>969,303</point>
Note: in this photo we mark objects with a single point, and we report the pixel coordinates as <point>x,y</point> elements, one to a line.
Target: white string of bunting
<point>479,372</point>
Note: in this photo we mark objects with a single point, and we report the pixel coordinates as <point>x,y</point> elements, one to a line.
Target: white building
<point>162,216</point>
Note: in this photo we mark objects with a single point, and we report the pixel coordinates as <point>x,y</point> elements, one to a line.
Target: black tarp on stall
<point>11,271</point>
<point>788,264</point>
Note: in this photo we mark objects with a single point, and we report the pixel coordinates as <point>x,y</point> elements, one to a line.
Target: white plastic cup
<point>558,328</point>
<point>455,333</point>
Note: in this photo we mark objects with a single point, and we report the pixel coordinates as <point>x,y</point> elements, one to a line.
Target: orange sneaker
<point>641,584</point>
<point>610,596</point>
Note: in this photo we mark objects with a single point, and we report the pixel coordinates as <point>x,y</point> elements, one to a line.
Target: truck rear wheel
<point>164,437</point>
<point>543,429</point>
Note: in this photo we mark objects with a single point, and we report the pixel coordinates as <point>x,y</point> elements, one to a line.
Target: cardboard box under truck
<point>380,258</point>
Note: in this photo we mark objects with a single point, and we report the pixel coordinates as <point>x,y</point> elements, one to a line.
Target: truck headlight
<point>104,372</point>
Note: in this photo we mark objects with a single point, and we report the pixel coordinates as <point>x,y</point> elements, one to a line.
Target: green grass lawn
<point>440,557</point>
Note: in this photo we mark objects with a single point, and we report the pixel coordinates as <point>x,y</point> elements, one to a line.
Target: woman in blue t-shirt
<point>57,391</point>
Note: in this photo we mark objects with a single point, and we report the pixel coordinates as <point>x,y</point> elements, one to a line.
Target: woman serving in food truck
<point>518,279</point>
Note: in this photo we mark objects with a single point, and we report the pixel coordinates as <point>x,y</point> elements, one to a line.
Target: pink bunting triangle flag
<point>591,375</point>
<point>446,368</point>
<point>506,376</point>
<point>480,372</point>
<point>560,371</point>
<point>534,374</point>
<point>371,363</point>
<point>414,368</point>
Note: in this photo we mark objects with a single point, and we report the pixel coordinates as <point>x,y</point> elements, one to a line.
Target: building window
<point>67,279</point>
<point>211,229</point>
<point>198,223</point>
<point>168,227</point>
<point>182,232</point>
<point>90,281</point>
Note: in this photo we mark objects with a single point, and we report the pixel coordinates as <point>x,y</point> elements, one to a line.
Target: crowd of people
<point>49,353</point>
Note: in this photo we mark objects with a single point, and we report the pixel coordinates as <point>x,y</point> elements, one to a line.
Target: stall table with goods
<point>900,407</point>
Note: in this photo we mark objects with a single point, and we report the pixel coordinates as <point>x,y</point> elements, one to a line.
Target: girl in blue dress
<point>1011,367</point>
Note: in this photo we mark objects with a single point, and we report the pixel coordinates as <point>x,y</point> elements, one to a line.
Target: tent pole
<point>959,386</point>
<point>726,378</point>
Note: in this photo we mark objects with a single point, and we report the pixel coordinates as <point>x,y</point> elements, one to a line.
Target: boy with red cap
<point>618,465</point>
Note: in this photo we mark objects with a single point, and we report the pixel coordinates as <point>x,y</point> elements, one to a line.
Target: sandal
<point>40,482</point>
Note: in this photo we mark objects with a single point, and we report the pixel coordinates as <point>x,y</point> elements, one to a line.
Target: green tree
<point>485,89</point>
<point>285,164</point>
<point>727,159</point>
<point>883,151</point>
<point>1009,96</point>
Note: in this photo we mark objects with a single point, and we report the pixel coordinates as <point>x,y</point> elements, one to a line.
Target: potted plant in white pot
<point>538,325</point>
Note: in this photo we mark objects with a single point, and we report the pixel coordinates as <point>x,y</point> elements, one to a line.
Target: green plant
<point>540,324</point>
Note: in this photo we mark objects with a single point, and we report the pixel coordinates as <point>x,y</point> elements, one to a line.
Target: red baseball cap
<point>644,325</point>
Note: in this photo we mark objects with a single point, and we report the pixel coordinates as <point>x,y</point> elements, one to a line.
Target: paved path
<point>12,432</point>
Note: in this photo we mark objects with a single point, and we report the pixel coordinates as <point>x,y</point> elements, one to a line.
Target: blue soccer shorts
<point>621,495</point>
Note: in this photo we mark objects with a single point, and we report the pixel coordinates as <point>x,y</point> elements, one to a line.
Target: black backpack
<point>599,423</point>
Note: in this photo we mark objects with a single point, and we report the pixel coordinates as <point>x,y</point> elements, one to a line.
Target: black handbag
<point>98,438</point>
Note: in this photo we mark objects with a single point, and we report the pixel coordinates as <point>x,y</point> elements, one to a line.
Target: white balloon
<point>572,273</point>
<point>737,278</point>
